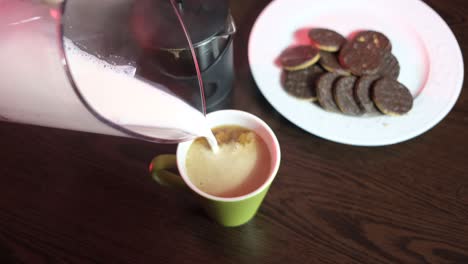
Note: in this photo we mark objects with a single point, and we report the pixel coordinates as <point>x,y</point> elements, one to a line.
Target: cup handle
<point>158,170</point>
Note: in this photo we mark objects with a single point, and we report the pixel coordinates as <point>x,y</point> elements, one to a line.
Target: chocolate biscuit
<point>364,54</point>
<point>360,61</point>
<point>344,96</point>
<point>362,93</point>
<point>299,57</point>
<point>329,61</point>
<point>326,39</point>
<point>392,97</point>
<point>373,40</point>
<point>390,67</point>
<point>325,84</point>
<point>301,83</point>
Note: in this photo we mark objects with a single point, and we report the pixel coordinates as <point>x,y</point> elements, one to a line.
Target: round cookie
<point>301,83</point>
<point>362,93</point>
<point>299,57</point>
<point>392,97</point>
<point>360,61</point>
<point>374,40</point>
<point>326,39</point>
<point>329,61</point>
<point>364,54</point>
<point>390,67</point>
<point>325,84</point>
<point>344,96</point>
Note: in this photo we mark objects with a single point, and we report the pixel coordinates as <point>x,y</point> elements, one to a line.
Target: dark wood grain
<point>69,197</point>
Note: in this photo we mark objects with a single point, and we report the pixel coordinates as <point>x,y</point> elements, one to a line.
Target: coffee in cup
<point>240,166</point>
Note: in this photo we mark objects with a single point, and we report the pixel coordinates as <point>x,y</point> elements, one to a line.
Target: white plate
<point>430,58</point>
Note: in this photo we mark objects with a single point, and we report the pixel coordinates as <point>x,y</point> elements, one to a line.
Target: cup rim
<point>274,145</point>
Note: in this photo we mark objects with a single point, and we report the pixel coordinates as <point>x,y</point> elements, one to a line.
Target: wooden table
<point>69,197</point>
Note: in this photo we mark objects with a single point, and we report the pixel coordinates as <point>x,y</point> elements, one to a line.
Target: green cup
<point>228,212</point>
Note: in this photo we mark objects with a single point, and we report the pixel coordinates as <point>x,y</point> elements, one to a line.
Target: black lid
<point>156,24</point>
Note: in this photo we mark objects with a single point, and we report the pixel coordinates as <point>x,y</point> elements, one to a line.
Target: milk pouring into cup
<point>99,74</point>
<point>135,105</point>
